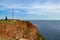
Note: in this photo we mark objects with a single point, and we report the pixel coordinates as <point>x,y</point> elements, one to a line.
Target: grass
<point>8,39</point>
<point>13,27</point>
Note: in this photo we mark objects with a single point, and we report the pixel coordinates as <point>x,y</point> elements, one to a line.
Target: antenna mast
<point>12,14</point>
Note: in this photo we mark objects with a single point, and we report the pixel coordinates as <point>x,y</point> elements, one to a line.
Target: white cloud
<point>50,9</point>
<point>17,11</point>
<point>43,9</point>
<point>35,8</point>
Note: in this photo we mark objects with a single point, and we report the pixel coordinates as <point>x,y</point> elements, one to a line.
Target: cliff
<point>19,30</point>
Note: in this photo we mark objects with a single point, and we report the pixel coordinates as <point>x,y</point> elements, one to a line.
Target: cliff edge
<point>20,30</point>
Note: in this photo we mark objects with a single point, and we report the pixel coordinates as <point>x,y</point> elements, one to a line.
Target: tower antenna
<point>12,14</point>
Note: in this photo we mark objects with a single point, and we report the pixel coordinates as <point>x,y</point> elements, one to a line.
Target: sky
<point>30,9</point>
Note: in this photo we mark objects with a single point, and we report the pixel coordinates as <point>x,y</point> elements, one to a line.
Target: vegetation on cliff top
<point>17,29</point>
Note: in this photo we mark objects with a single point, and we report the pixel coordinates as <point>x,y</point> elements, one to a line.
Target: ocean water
<point>50,29</point>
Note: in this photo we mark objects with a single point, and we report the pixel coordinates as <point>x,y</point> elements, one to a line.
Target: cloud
<point>45,8</point>
<point>34,8</point>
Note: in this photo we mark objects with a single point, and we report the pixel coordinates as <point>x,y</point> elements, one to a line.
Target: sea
<point>49,29</point>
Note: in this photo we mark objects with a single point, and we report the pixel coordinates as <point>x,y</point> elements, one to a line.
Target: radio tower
<point>12,14</point>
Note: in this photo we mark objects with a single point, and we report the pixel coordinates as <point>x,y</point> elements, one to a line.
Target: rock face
<point>21,30</point>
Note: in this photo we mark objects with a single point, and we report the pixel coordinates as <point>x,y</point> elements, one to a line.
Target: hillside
<point>19,30</point>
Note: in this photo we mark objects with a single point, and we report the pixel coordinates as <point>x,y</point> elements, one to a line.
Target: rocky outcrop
<point>19,29</point>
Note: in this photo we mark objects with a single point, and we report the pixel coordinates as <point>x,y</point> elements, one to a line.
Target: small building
<point>6,18</point>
